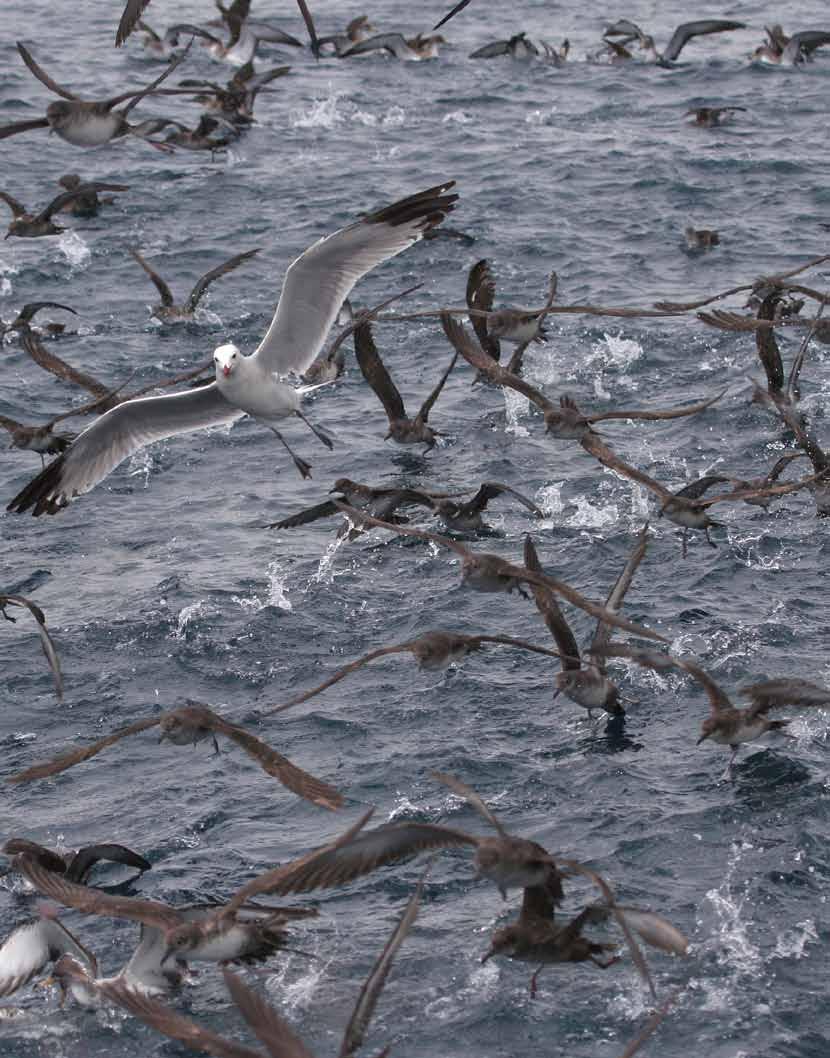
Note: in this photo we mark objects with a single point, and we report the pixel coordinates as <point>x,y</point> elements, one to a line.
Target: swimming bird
<point>700,239</point>
<point>268,1026</point>
<point>25,225</point>
<point>402,429</point>
<point>773,47</point>
<point>686,507</point>
<point>491,573</point>
<point>791,51</point>
<point>186,726</point>
<point>519,46</point>
<point>316,284</point>
<point>87,203</point>
<point>201,138</point>
<point>565,421</point>
<point>46,643</point>
<point>357,30</point>
<point>413,49</point>
<point>76,865</point>
<point>709,117</point>
<point>87,123</point>
<point>585,682</point>
<point>163,47</point>
<point>727,725</point>
<point>504,859</point>
<point>244,35</point>
<point>23,319</point>
<point>679,39</point>
<point>432,650</point>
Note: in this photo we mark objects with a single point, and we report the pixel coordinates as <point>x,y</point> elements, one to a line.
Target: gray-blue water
<point>160,584</point>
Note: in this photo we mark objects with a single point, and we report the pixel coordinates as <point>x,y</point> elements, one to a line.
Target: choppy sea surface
<point>162,584</point>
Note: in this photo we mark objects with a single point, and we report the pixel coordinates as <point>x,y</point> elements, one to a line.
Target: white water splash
<point>515,405</point>
<point>791,944</point>
<point>322,114</point>
<point>275,595</point>
<point>141,465</point>
<point>74,249</point>
<point>730,941</point>
<point>549,499</point>
<point>456,117</point>
<point>189,614</point>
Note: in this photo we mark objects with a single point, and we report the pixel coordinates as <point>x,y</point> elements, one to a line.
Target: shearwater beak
<point>488,955</point>
<point>701,739</point>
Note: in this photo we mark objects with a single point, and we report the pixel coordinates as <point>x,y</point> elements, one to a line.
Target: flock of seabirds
<point>315,295</point>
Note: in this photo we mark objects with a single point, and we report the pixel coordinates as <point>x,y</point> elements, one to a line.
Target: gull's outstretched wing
<point>97,451</point>
<point>319,280</point>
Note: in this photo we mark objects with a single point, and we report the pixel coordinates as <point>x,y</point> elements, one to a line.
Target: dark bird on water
<point>26,225</point>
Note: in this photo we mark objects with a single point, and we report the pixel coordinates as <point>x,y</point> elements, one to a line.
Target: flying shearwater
<point>88,123</point>
<point>686,507</point>
<point>186,726</point>
<point>45,639</point>
<point>727,725</point>
<point>536,938</point>
<point>505,860</point>
<point>565,421</point>
<point>585,683</point>
<point>247,384</point>
<point>491,573</point>
<point>402,429</point>
<point>432,650</point>
<point>268,1026</point>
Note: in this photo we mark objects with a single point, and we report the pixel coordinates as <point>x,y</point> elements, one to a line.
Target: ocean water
<point>162,584</point>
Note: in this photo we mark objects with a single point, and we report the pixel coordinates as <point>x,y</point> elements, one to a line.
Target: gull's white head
<point>225,359</point>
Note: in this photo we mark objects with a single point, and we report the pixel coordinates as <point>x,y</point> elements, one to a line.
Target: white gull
<point>315,287</point>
